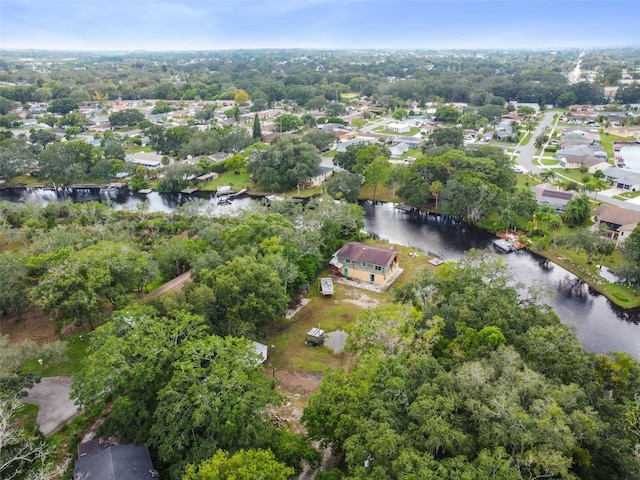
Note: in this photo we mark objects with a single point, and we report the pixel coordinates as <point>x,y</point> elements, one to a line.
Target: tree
<point>235,140</point>
<point>244,465</point>
<point>596,185</point>
<point>287,122</point>
<point>285,165</point>
<point>566,99</point>
<point>212,401</point>
<point>249,296</point>
<point>399,114</point>
<point>590,242</point>
<point>526,111</point>
<point>257,131</point>
<point>320,139</point>
<point>236,163</point>
<point>468,198</point>
<point>447,136</point>
<point>78,289</point>
<point>547,175</point>
<point>436,189</point>
<point>127,117</point>
<point>375,171</point>
<point>630,268</point>
<point>447,114</point>
<point>13,284</point>
<point>345,186</point>
<point>578,210</point>
<point>6,105</point>
<point>16,157</point>
<point>175,177</point>
<point>63,106</point>
<point>23,454</point>
<point>241,97</point>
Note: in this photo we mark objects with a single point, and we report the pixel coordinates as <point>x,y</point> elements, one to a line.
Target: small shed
<point>315,336</point>
<point>326,286</point>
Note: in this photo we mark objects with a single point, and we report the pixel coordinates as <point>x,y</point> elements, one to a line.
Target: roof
<point>617,215</point>
<point>116,462</point>
<point>371,254</point>
<point>544,192</point>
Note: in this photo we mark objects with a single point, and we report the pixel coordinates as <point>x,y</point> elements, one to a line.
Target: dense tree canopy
<point>285,165</point>
<point>457,386</point>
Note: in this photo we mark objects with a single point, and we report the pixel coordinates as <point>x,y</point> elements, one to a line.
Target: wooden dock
<point>189,191</point>
<point>508,242</point>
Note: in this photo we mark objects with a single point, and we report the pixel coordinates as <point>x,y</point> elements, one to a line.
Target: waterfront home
<point>367,263</point>
<point>617,222</point>
<point>553,197</point>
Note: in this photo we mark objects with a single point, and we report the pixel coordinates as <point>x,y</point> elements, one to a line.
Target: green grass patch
<point>576,262</point>
<point>330,314</point>
<point>628,195</point>
<point>27,415</point>
<point>238,181</point>
<point>548,161</point>
<point>26,180</point>
<point>330,153</point>
<point>412,131</point>
<point>606,140</point>
<point>69,364</point>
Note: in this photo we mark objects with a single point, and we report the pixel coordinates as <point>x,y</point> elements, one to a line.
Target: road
<point>527,152</point>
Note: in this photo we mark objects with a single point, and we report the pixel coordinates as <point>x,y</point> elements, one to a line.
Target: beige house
<point>617,222</point>
<point>366,263</point>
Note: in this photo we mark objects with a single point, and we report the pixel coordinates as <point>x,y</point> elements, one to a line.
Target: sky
<point>178,25</point>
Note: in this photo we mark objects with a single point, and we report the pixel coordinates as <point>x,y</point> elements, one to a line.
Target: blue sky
<point>344,24</point>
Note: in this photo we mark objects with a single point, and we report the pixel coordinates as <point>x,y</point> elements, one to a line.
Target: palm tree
<point>547,175</point>
<point>436,189</point>
<point>596,185</point>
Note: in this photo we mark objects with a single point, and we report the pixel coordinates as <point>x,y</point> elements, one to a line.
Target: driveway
<point>56,406</point>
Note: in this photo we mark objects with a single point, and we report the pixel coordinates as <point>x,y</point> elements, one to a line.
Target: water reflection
<point>601,326</point>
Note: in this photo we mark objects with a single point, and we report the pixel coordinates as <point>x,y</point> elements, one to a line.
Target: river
<point>600,325</point>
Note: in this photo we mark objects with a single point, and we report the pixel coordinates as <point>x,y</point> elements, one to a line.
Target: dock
<point>508,242</point>
<point>189,190</point>
<point>404,207</point>
<point>145,191</point>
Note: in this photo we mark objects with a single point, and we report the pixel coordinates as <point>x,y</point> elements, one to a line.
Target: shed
<point>326,286</point>
<point>315,336</point>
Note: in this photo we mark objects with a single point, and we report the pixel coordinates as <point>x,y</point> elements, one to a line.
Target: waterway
<point>600,325</point>
<point>631,157</point>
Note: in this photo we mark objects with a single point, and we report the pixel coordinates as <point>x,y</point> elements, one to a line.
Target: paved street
<point>528,151</point>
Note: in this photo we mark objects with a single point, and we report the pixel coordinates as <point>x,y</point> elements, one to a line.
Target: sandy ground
<point>56,407</point>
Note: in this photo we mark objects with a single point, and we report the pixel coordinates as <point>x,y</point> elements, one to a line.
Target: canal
<point>600,325</point>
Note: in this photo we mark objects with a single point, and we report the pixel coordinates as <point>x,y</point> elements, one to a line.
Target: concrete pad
<point>56,406</point>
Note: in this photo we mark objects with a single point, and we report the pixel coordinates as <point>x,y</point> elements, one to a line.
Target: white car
<point>519,169</point>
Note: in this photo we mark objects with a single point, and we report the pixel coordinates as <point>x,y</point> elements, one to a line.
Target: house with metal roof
<point>366,263</point>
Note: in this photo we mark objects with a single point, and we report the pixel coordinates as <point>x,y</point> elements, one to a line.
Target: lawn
<point>412,131</point>
<point>332,313</point>
<point>606,140</point>
<point>548,161</point>
<point>237,181</point>
<point>70,364</point>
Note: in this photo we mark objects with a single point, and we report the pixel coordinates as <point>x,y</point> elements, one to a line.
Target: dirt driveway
<point>56,407</point>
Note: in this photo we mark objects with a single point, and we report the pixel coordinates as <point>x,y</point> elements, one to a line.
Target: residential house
<point>553,197</point>
<point>152,161</point>
<point>622,178</point>
<point>412,142</point>
<point>342,146</point>
<point>398,127</point>
<point>318,177</point>
<point>616,221</point>
<point>591,162</point>
<point>367,263</point>
<point>104,460</point>
<point>399,149</point>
